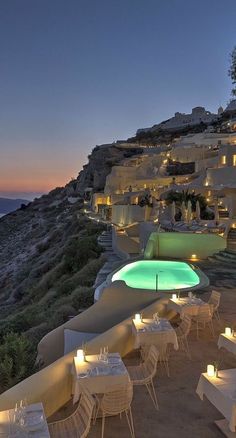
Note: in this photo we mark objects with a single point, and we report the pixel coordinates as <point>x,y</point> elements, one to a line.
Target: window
<point>223,159</point>
<point>234,160</point>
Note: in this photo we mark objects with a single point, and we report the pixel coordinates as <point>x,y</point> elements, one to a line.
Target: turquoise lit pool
<point>158,275</point>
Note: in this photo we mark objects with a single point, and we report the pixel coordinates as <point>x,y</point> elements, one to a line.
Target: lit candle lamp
<point>137,317</point>
<point>210,370</point>
<point>80,356</point>
<point>174,297</point>
<point>228,331</point>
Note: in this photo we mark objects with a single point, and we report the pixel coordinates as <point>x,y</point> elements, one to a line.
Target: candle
<point>228,331</point>
<point>137,317</point>
<point>210,370</point>
<point>174,297</point>
<point>80,355</point>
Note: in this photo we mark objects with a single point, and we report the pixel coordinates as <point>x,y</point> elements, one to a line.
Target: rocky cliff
<point>100,163</point>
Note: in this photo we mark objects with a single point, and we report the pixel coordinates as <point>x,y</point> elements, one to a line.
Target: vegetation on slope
<point>49,261</point>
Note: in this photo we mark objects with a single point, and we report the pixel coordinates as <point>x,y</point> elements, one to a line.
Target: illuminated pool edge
<point>202,282</point>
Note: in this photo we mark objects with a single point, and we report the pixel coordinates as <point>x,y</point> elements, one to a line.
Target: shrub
<point>82,297</point>
<point>80,251</point>
<point>35,334</point>
<point>17,361</point>
<point>61,316</point>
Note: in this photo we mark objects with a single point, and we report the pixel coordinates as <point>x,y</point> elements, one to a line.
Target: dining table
<point>186,305</point>
<point>98,374</point>
<point>157,332</point>
<point>27,422</point>
<point>220,390</point>
<point>228,342</point>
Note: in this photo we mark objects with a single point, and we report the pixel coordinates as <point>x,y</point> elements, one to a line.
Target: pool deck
<point>182,413</point>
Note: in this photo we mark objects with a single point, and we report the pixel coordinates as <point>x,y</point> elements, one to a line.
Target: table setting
<point>186,305</point>
<point>155,330</point>
<point>97,372</point>
<point>219,387</point>
<point>24,421</point>
<point>227,340</point>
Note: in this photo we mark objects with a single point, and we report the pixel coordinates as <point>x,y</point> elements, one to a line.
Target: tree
<point>185,196</point>
<point>232,70</point>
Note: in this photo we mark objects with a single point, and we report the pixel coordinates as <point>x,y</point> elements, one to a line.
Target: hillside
<point>49,261</point>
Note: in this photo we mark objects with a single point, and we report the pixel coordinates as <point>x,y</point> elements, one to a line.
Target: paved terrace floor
<point>181,412</point>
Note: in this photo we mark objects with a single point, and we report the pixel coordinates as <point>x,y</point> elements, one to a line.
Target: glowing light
<point>228,331</point>
<point>137,317</point>
<point>80,357</point>
<point>174,297</point>
<point>210,370</point>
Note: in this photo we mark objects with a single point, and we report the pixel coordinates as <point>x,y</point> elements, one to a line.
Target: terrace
<point>181,412</point>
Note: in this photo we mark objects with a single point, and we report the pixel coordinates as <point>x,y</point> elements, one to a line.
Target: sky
<point>76,73</point>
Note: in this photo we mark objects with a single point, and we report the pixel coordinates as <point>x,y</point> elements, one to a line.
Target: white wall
<point>221,176</point>
<point>128,214</point>
<point>183,245</point>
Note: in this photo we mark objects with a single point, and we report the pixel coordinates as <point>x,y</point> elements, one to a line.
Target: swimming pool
<point>158,275</point>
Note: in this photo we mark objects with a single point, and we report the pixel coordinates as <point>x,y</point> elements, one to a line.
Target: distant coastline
<point>8,205</point>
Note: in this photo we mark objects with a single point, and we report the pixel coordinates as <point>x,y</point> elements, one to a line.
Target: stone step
<point>227,255</point>
<point>231,245</point>
<point>218,257</point>
<point>229,251</point>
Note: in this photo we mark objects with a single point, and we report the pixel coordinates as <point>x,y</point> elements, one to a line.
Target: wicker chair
<point>163,350</point>
<point>214,300</point>
<point>182,333</point>
<point>144,373</point>
<point>77,425</point>
<point>115,402</point>
<point>203,318</point>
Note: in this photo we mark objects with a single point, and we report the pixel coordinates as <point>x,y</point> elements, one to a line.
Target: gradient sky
<point>76,73</point>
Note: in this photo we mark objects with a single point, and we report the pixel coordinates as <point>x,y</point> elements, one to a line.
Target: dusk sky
<point>76,73</point>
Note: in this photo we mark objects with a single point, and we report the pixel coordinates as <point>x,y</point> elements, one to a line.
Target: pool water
<point>157,275</point>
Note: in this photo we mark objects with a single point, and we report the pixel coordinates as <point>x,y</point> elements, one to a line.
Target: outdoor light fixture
<point>80,356</point>
<point>210,370</point>
<point>174,297</point>
<point>137,317</point>
<point>228,331</point>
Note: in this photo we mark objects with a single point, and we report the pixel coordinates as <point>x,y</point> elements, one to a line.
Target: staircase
<point>231,240</point>
<point>225,256</point>
<point>229,254</point>
<point>105,240</point>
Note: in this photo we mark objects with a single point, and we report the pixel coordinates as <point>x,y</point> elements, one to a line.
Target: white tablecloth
<point>148,332</point>
<point>99,376</point>
<point>228,342</point>
<point>221,392</point>
<point>34,411</point>
<point>189,306</point>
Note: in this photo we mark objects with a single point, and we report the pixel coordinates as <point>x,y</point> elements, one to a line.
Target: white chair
<point>182,332</point>
<point>77,425</point>
<point>203,318</point>
<point>115,401</point>
<point>162,347</point>
<point>214,300</point>
<point>144,373</point>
